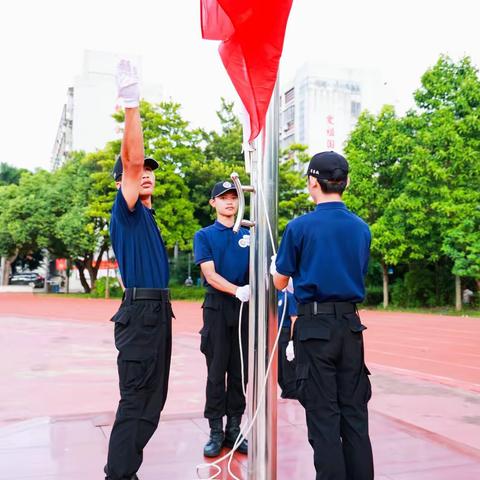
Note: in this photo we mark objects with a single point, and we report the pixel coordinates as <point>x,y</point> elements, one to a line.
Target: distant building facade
<point>86,122</point>
<point>322,105</point>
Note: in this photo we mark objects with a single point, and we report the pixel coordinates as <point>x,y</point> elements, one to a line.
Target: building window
<point>355,109</point>
<point>290,95</point>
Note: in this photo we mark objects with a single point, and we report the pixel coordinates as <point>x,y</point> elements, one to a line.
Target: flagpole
<point>262,455</point>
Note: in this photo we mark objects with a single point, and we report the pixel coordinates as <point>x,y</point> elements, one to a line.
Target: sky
<point>42,45</point>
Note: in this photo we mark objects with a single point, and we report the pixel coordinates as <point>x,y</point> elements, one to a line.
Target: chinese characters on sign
<point>330,133</point>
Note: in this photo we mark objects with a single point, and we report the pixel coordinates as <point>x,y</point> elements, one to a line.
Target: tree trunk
<point>7,268</point>
<point>93,270</point>
<point>385,285</point>
<point>458,293</point>
<point>2,271</point>
<point>81,271</point>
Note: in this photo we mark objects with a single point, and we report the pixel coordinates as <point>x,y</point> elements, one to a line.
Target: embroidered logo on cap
<point>245,241</point>
<point>227,185</point>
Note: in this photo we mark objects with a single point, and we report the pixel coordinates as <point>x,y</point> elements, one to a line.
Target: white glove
<point>273,268</point>
<point>127,84</point>
<point>290,352</point>
<point>243,293</point>
<point>289,287</point>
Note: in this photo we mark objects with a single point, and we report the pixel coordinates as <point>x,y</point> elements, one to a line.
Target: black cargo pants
<point>286,370</point>
<point>143,337</point>
<point>334,388</point>
<point>219,343</point>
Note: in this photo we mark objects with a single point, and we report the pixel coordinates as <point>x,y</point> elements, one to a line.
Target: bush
<point>374,296</point>
<point>180,292</point>
<point>113,285</point>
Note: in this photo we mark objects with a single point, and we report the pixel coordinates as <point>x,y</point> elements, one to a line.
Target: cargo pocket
<point>302,373</point>
<point>136,370</point>
<point>354,323</point>
<point>204,340</point>
<point>122,317</point>
<point>122,330</point>
<point>313,332</point>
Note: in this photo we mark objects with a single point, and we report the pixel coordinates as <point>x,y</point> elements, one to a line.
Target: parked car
<point>27,278</point>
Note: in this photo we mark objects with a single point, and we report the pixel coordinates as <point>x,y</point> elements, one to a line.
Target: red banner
<point>252,34</point>
<point>61,264</point>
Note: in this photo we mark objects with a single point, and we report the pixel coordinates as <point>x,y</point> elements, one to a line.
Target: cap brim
<point>151,162</point>
<point>231,189</point>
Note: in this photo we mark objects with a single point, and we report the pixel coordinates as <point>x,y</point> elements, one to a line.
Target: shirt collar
<point>329,205</point>
<point>221,226</point>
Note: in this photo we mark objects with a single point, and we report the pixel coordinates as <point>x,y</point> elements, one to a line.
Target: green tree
<point>222,155</point>
<point>175,146</point>
<point>378,150</point>
<point>293,198</point>
<point>449,103</point>
<point>81,230</point>
<point>10,174</point>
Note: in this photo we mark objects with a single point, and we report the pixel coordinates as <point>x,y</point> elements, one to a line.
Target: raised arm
<point>132,152</point>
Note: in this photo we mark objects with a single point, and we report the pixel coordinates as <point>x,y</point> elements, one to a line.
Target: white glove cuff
<point>129,103</point>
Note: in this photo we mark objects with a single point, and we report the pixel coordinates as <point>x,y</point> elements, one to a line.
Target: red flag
<point>252,34</point>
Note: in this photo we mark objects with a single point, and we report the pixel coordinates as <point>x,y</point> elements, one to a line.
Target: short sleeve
<point>201,248</point>
<point>287,254</point>
<point>121,212</point>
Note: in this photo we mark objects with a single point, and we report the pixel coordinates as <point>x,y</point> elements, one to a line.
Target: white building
<point>321,106</point>
<point>86,122</point>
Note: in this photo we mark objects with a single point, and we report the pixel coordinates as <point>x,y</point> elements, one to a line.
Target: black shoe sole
<point>211,456</point>
<point>229,444</point>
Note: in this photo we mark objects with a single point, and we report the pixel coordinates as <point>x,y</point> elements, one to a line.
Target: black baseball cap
<point>221,187</point>
<point>328,166</point>
<point>118,167</point>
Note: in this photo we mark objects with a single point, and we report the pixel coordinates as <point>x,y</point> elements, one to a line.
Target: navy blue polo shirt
<point>229,251</point>
<point>138,245</point>
<point>326,253</point>
<point>291,309</point>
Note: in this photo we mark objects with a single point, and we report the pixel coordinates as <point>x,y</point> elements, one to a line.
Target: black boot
<point>232,431</point>
<point>215,443</point>
<point>105,469</point>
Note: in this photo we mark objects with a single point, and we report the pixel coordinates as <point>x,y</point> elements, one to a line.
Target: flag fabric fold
<point>252,33</point>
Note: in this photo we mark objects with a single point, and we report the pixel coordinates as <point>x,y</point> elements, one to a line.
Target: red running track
<point>445,348</point>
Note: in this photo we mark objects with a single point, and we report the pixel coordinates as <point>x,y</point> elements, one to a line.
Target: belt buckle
<point>315,308</point>
<point>134,293</point>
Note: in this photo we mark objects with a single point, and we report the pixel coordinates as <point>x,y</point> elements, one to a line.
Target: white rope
<point>245,430</point>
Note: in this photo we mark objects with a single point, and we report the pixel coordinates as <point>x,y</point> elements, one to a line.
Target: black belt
<point>161,294</point>
<point>332,308</point>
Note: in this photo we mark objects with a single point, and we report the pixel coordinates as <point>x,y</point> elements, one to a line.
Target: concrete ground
<point>58,392</point>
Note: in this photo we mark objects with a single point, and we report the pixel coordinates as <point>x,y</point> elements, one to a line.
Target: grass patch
<point>444,310</point>
<point>178,292</point>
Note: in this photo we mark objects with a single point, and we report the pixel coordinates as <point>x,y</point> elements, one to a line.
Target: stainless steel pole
<point>262,454</point>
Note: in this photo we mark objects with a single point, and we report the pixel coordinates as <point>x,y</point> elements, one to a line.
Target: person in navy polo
<point>223,257</point>
<point>143,323</point>
<point>326,253</point>
<point>286,367</point>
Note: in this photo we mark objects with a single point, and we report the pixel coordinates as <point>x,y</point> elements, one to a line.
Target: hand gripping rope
<point>245,430</point>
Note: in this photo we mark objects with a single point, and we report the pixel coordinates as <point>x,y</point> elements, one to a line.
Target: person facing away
<point>223,256</point>
<point>143,323</point>
<point>326,253</point>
